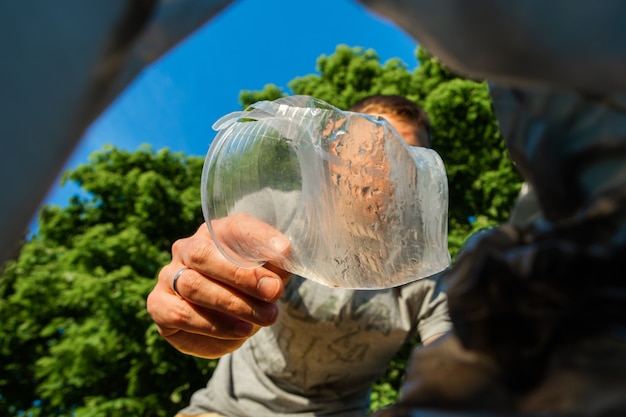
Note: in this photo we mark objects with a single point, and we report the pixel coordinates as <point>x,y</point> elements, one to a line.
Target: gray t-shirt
<point>324,353</point>
<point>326,350</point>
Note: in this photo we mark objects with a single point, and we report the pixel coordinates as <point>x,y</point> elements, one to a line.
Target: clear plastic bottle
<point>360,207</point>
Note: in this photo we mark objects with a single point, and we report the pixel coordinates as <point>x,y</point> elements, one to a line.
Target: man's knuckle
<point>200,254</point>
<point>180,317</point>
<point>192,285</point>
<point>242,278</point>
<point>177,246</point>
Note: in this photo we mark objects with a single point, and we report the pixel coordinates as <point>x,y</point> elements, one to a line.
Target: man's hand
<point>218,305</point>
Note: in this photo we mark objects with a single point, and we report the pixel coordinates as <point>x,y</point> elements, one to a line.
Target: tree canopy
<point>75,337</point>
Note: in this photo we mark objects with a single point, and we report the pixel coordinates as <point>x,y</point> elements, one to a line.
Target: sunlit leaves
<point>481,176</point>
<point>76,338</point>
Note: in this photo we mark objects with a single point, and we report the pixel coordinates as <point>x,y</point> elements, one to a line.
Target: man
<point>288,345</point>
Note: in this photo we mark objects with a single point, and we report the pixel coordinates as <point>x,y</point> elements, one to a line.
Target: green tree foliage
<point>75,339</point>
<point>344,77</point>
<point>75,336</point>
<point>482,180</point>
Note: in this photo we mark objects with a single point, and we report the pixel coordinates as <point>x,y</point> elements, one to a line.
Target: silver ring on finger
<point>175,280</point>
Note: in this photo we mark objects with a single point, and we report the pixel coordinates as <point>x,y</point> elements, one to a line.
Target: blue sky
<point>174,102</point>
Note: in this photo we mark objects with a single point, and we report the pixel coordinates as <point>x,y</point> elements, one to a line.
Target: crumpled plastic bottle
<point>360,207</point>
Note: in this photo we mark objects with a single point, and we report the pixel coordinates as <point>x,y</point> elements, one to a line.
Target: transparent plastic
<point>360,207</point>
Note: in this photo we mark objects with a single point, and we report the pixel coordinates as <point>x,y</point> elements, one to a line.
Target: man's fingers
<point>284,275</point>
<point>200,345</point>
<point>194,320</point>
<point>203,297</point>
<point>199,253</point>
<point>248,241</point>
<point>205,305</point>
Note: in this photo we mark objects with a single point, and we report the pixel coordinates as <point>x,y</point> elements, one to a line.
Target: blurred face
<point>361,179</point>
